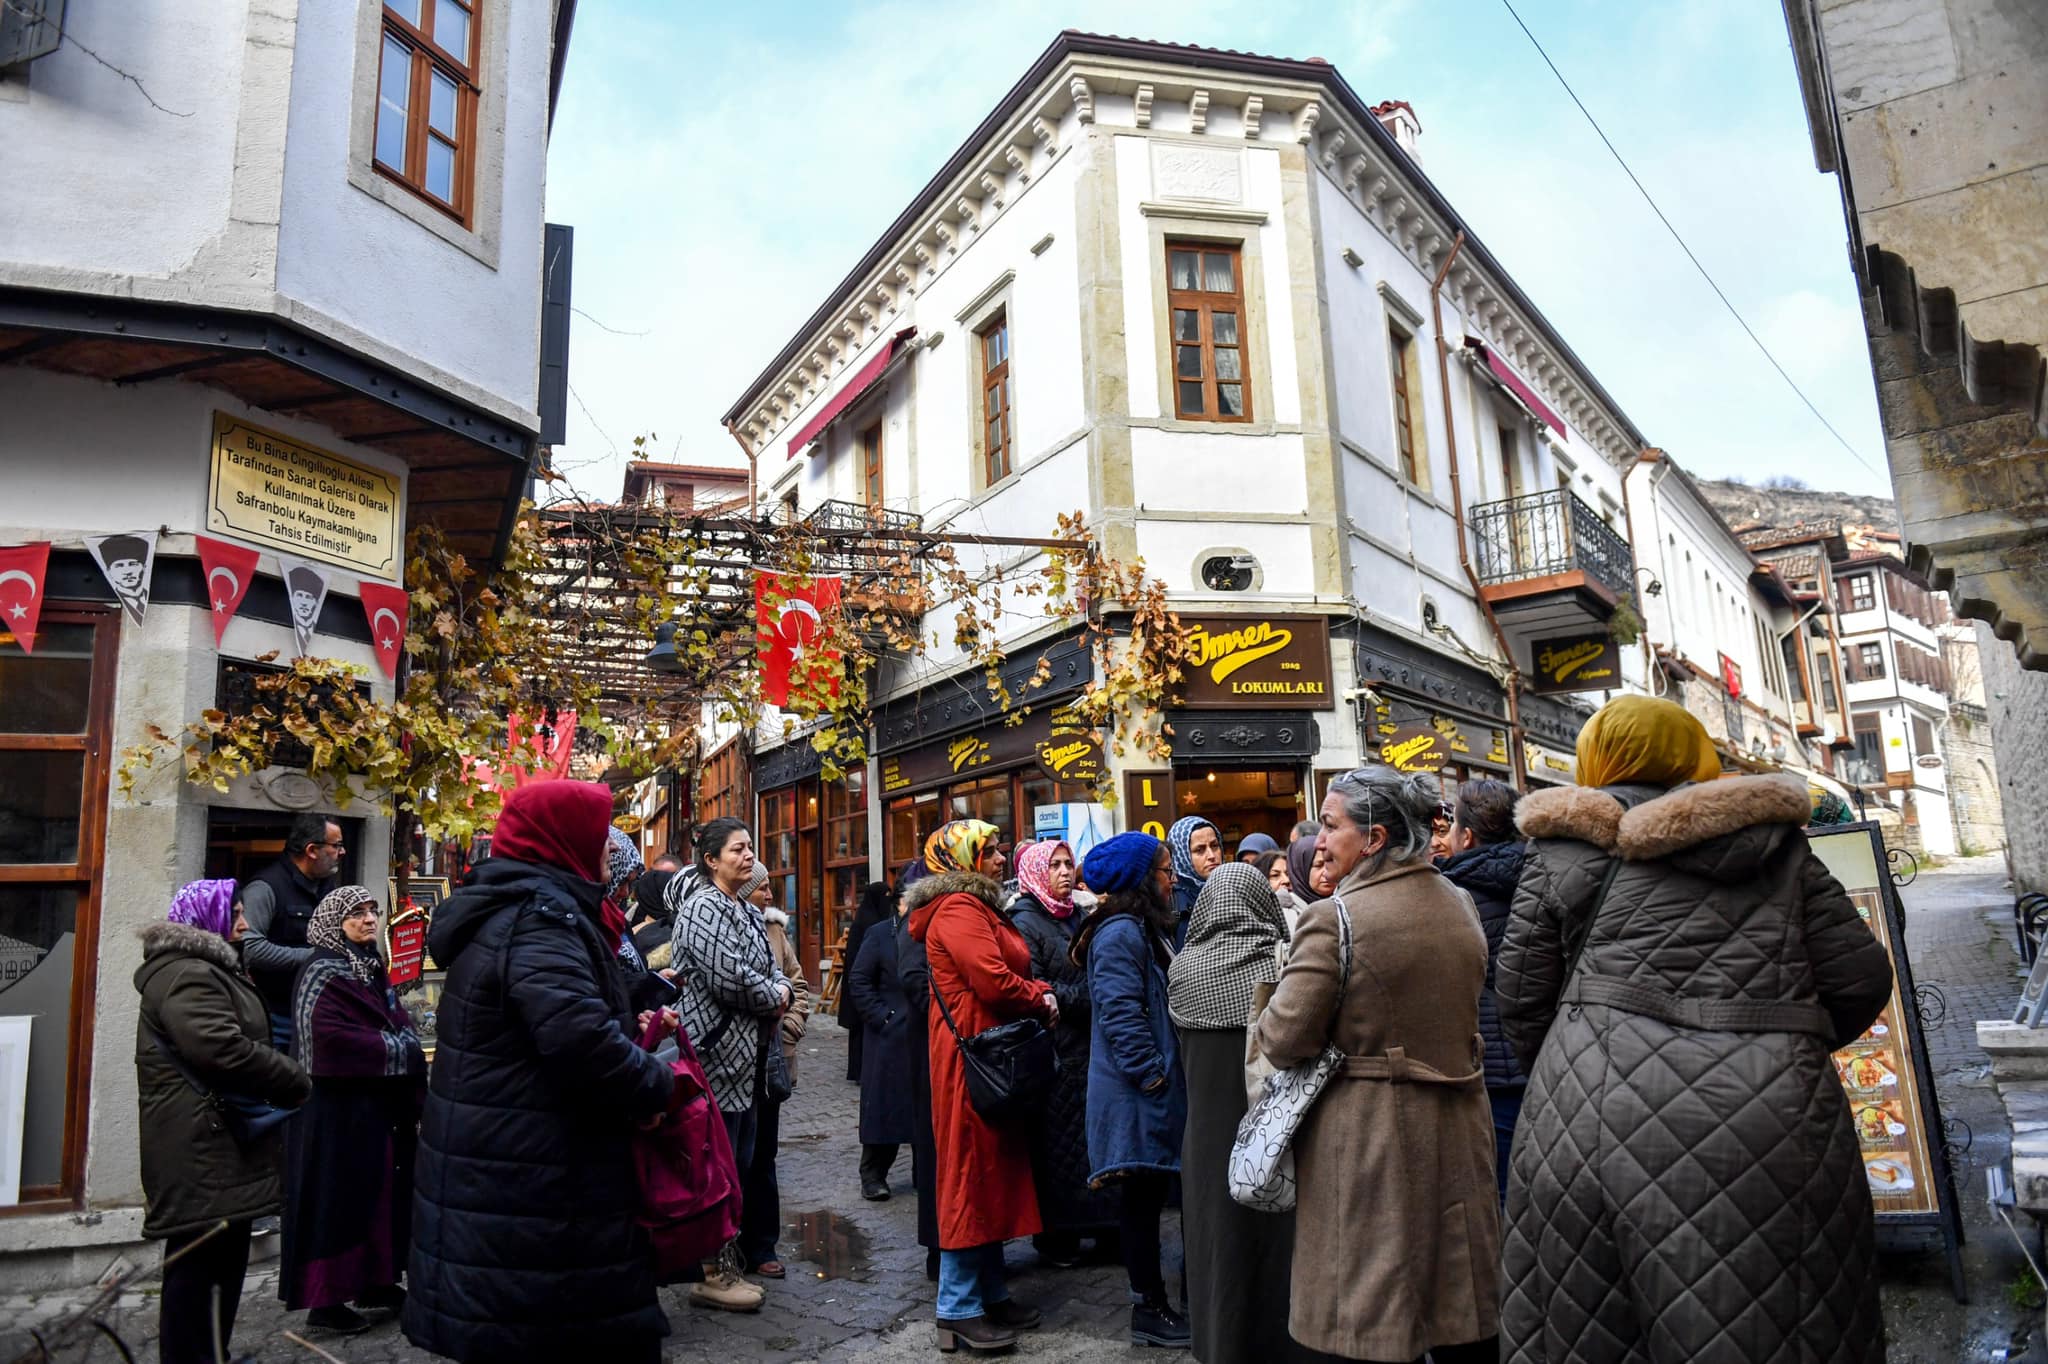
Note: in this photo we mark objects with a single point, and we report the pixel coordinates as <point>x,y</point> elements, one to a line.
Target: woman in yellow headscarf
<point>980,978</point>
<point>1677,969</point>
<point>1640,741</point>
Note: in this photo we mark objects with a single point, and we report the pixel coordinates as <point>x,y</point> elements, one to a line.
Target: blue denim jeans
<point>1507,1111</point>
<point>971,1281</point>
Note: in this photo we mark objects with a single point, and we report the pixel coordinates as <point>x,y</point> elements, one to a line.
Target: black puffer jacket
<point>524,1244</point>
<point>1686,1182</point>
<point>1488,874</point>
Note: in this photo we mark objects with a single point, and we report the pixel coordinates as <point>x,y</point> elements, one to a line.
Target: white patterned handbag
<point>1262,1157</point>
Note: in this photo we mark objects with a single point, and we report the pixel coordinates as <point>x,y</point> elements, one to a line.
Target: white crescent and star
<point>379,614</point>
<point>19,611</point>
<point>797,606</point>
<point>234,586</point>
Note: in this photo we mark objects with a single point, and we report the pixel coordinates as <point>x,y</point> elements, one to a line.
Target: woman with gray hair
<point>1397,1229</point>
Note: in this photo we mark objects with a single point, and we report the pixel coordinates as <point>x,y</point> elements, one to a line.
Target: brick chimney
<point>1397,116</point>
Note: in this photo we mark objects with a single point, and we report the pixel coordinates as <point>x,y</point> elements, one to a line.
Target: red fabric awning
<point>1513,382</point>
<point>863,380</point>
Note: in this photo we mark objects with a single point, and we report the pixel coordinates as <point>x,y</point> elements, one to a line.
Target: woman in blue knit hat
<point>1137,1102</point>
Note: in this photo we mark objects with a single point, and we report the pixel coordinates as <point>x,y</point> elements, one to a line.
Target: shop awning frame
<point>1514,384</point>
<point>853,391</point>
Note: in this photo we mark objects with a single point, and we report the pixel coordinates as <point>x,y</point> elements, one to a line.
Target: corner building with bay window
<point>1188,293</point>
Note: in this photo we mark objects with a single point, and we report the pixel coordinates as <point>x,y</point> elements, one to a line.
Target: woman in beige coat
<point>1397,1233</point>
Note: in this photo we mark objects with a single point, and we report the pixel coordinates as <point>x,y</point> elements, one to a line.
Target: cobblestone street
<point>857,1290</point>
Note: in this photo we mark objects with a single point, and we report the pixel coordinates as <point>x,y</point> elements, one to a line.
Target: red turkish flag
<point>789,620</point>
<point>22,570</point>
<point>230,568</point>
<point>386,607</point>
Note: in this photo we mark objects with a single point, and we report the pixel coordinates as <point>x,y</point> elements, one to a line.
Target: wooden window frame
<point>842,807</point>
<point>1408,447</point>
<point>997,462</point>
<point>1865,600</point>
<point>86,874</point>
<point>871,482</point>
<point>1206,303</point>
<point>428,57</point>
<point>1872,671</point>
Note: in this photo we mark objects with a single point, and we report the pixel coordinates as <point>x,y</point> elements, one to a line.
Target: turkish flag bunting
<point>230,568</point>
<point>22,570</point>
<point>790,622</point>
<point>386,607</point>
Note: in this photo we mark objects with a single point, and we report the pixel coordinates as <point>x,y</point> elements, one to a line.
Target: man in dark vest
<point>278,902</point>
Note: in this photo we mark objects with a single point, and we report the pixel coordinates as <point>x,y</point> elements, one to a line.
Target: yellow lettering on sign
<point>1559,664</point>
<point>966,752</point>
<point>1404,754</point>
<point>1149,799</point>
<point>1061,758</point>
<point>1223,654</point>
<point>1155,828</point>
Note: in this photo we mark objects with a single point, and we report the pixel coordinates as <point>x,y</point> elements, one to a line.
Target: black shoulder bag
<point>247,1120</point>
<point>1010,1067</point>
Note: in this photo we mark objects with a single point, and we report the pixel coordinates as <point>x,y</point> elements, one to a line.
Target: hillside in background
<point>1783,502</point>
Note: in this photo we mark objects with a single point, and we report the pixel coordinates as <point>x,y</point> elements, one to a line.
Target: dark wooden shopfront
<point>812,835</point>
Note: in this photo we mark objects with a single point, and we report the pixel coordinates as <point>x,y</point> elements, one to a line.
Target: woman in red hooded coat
<point>981,968</point>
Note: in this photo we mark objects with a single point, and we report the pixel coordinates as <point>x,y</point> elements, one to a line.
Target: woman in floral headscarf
<point>1197,850</point>
<point>1043,911</point>
<point>980,972</point>
<point>349,1157</point>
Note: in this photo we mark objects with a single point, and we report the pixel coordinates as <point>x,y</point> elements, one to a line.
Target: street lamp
<point>662,658</point>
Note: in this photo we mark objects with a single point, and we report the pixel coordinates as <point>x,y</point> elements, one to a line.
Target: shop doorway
<point>1241,801</point>
<point>240,843</point>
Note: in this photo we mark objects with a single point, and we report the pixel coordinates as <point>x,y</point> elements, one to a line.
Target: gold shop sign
<point>1414,748</point>
<point>1577,663</point>
<point>269,489</point>
<point>1256,661</point>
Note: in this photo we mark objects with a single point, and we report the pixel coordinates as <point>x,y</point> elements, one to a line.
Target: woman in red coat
<point>981,968</point>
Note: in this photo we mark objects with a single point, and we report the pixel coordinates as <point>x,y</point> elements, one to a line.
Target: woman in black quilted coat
<point>1043,910</point>
<point>1685,1182</point>
<point>524,1243</point>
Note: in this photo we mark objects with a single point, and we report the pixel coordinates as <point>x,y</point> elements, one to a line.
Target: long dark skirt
<point>924,1148</point>
<point>1238,1260</point>
<point>348,1190</point>
<point>1059,1159</point>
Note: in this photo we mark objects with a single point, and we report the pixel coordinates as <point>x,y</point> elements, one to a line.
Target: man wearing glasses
<point>278,902</point>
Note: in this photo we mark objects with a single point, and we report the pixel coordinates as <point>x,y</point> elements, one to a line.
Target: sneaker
<point>340,1320</point>
<point>726,1291</point>
<point>1155,1323</point>
<point>978,1334</point>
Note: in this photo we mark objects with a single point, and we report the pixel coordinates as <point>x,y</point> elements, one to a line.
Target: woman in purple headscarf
<point>202,1051</point>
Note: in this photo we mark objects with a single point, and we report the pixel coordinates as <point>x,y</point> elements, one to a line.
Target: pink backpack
<point>689,1182</point>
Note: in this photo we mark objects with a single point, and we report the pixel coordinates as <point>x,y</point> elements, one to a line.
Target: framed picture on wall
<point>425,892</point>
<point>1283,781</point>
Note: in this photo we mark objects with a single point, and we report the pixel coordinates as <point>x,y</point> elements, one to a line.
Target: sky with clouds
<point>725,166</point>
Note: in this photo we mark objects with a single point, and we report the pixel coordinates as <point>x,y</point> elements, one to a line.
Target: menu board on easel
<point>1885,1072</point>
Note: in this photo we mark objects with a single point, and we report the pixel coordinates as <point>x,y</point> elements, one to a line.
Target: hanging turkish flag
<point>554,744</point>
<point>22,570</point>
<point>386,607</point>
<point>790,622</point>
<point>230,568</point>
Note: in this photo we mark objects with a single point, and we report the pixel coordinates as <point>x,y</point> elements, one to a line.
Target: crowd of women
<point>1580,1104</point>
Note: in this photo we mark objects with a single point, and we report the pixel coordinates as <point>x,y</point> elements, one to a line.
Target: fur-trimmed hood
<point>776,918</point>
<point>1719,829</point>
<point>924,895</point>
<point>186,940</point>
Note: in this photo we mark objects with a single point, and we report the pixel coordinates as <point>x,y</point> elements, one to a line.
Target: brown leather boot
<point>978,1334</point>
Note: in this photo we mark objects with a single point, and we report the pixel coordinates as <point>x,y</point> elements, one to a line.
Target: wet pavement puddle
<point>832,1244</point>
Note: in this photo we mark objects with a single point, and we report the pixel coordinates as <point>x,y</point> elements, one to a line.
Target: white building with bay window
<point>1196,295</point>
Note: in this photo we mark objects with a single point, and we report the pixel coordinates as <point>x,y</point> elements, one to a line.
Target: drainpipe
<point>1443,383</point>
<point>753,472</point>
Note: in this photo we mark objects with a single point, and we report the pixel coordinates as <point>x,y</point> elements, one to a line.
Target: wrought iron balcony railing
<point>861,541</point>
<point>1545,534</point>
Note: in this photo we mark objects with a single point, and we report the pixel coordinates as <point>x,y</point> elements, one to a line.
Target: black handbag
<point>1010,1067</point>
<point>776,1084</point>
<point>246,1120</point>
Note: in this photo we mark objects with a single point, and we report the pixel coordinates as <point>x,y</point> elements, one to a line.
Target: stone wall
<point>2018,702</point>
